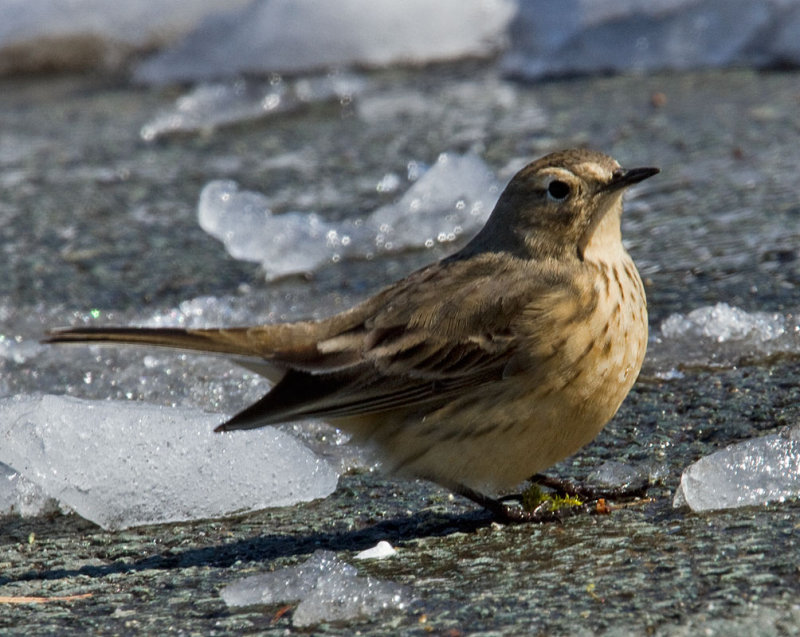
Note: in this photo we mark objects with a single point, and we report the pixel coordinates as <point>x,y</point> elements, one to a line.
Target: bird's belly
<point>503,433</point>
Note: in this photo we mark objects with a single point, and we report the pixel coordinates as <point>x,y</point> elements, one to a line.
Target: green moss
<point>534,496</point>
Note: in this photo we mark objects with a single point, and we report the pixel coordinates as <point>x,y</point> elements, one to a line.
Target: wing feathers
<point>437,333</point>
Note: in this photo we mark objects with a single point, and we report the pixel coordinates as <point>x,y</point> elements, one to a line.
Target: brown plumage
<point>477,371</point>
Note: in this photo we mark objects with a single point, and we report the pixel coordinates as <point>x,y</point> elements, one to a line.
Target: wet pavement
<point>94,217</point>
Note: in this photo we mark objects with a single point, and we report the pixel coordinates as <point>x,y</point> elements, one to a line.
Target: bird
<point>479,370</point>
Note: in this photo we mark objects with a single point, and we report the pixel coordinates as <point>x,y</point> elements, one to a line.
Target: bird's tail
<point>208,340</point>
<point>264,342</point>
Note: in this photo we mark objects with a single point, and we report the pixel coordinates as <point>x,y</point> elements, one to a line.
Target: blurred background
<point>171,41</point>
<point>205,162</point>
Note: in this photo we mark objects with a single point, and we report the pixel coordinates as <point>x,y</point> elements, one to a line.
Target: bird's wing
<point>373,387</point>
<point>429,338</point>
<point>437,333</point>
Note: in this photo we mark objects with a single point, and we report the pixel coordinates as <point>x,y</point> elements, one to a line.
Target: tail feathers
<point>241,342</point>
<point>267,350</point>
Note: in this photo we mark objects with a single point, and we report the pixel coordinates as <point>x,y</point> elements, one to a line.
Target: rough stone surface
<point>94,218</point>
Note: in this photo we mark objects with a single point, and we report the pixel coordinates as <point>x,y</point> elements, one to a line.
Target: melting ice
<point>753,472</point>
<point>123,464</point>
<point>225,39</point>
<point>452,198</point>
<point>296,36</point>
<point>209,106</point>
<point>645,35</point>
<point>21,496</point>
<point>720,335</point>
<point>327,588</point>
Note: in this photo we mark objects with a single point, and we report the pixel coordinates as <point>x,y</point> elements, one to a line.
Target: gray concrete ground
<point>94,217</point>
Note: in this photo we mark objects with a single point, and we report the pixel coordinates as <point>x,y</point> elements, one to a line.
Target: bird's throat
<point>603,235</point>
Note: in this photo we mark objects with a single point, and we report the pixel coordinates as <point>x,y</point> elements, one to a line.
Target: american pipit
<point>480,370</point>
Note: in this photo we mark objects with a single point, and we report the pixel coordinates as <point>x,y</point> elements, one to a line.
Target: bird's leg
<point>585,492</point>
<point>507,514</point>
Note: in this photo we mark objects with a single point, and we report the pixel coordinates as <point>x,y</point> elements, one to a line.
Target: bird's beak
<point>623,178</point>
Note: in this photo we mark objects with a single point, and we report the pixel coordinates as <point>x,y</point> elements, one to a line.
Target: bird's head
<point>562,205</point>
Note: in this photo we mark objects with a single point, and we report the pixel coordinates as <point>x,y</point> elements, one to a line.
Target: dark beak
<point>623,178</point>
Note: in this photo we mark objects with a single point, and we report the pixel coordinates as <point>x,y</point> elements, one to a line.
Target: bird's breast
<point>603,353</point>
<point>586,349</point>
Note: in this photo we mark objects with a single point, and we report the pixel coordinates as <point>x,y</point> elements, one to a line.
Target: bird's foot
<point>545,511</point>
<point>585,492</point>
<point>535,506</point>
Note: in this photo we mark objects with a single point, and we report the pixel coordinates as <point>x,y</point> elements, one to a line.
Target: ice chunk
<point>721,335</point>
<point>380,551</point>
<point>18,349</point>
<point>296,36</point>
<point>57,34</point>
<point>290,584</point>
<point>21,496</point>
<point>450,200</point>
<point>123,464</point>
<point>618,475</point>
<point>327,589</point>
<point>753,472</point>
<point>453,198</point>
<point>721,323</point>
<point>342,595</point>
<point>294,242</point>
<point>209,106</point>
<point>643,35</point>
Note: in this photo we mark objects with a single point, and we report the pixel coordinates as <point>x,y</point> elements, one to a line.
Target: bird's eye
<point>558,190</point>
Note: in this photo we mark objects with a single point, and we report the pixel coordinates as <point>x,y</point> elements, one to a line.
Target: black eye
<point>558,189</point>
